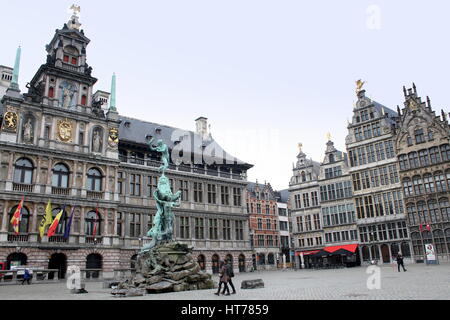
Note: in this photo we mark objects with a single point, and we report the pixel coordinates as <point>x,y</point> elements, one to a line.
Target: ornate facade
<point>422,145</point>
<point>377,190</point>
<point>58,143</point>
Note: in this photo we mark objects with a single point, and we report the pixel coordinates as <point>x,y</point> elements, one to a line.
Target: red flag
<point>428,227</point>
<point>15,220</point>
<point>420,228</point>
<point>94,230</point>
<point>52,229</point>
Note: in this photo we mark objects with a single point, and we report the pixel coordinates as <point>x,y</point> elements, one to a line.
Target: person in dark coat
<point>400,262</point>
<point>230,273</point>
<point>223,279</point>
<point>26,277</point>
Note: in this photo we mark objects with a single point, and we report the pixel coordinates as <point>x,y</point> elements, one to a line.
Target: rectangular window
<point>135,184</point>
<point>211,193</point>
<point>184,188</point>
<point>198,192</point>
<point>120,183</point>
<point>237,196</point>
<point>239,230</point>
<point>184,227</point>
<point>226,229</point>
<point>213,234</point>
<point>135,225</point>
<point>74,61</point>
<point>119,224</point>
<point>300,224</point>
<point>199,228</point>
<point>225,195</point>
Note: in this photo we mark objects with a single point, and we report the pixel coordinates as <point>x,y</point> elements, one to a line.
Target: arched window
<point>418,185</point>
<point>215,263</point>
<point>434,211</point>
<point>435,156</point>
<point>445,209</point>
<point>439,178</point>
<point>413,160</point>
<point>403,162</point>
<point>412,214</point>
<point>23,171</point>
<point>407,187</point>
<point>91,219</point>
<point>439,241</point>
<point>423,157</point>
<point>375,252</point>
<point>62,221</point>
<point>93,261</point>
<point>201,262</point>
<point>405,249</point>
<point>445,152</point>
<point>24,220</point>
<point>60,177</point>
<point>303,176</point>
<point>241,263</point>
<point>94,180</point>
<point>428,183</point>
<point>261,259</point>
<point>417,243</point>
<point>394,249</point>
<point>422,212</point>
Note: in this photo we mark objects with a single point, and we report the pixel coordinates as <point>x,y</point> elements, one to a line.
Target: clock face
<point>11,120</point>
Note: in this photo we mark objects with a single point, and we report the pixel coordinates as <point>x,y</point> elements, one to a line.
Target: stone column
<point>48,188</point>
<point>108,192</point>
<point>82,238</point>
<point>9,180</point>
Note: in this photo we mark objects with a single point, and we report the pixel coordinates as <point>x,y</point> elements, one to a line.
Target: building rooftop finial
<point>359,85</point>
<point>73,22</point>
<point>112,100</point>
<point>15,78</point>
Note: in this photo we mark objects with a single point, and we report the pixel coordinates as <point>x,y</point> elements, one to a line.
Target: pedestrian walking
<point>400,262</point>
<point>26,277</point>
<point>230,273</point>
<point>223,279</point>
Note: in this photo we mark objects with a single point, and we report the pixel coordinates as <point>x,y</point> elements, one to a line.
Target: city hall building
<point>63,142</point>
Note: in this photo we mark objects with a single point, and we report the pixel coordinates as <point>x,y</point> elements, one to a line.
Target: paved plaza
<point>419,282</point>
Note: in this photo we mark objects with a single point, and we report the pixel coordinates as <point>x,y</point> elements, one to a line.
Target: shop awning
<point>348,247</point>
<point>306,253</point>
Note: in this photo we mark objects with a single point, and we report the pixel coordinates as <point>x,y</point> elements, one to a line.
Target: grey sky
<point>267,74</point>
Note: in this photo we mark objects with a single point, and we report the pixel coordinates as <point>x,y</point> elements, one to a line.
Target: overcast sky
<point>266,74</point>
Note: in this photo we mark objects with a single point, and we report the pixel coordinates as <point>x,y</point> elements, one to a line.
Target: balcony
<point>17,238</point>
<point>23,187</point>
<point>60,191</point>
<point>70,67</point>
<point>57,239</point>
<point>94,194</point>
<point>93,240</point>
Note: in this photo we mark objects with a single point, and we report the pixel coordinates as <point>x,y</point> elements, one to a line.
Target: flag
<point>420,228</point>
<point>52,229</point>
<point>46,220</point>
<point>428,227</point>
<point>69,224</point>
<point>94,229</point>
<point>15,220</point>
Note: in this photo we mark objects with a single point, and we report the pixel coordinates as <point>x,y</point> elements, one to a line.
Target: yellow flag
<point>46,220</point>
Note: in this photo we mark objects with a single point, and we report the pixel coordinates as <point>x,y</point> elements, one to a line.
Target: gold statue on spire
<point>300,146</point>
<point>329,136</point>
<point>76,9</point>
<point>359,85</point>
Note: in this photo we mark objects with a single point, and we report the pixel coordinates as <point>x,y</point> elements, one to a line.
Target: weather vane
<point>76,9</point>
<point>359,85</point>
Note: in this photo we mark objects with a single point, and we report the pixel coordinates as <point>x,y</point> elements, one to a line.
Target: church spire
<point>112,100</point>
<point>15,79</point>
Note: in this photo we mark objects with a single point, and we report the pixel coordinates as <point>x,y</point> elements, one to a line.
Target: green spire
<point>15,78</point>
<point>112,100</point>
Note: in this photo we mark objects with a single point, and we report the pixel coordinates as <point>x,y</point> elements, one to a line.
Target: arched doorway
<point>365,253</point>
<point>215,263</point>
<point>93,261</point>
<point>261,259</point>
<point>133,261</point>
<point>16,259</point>
<point>241,263</point>
<point>385,253</point>
<point>58,261</point>
<point>375,253</point>
<point>201,262</point>
<point>254,261</point>
<point>229,258</point>
<point>270,259</point>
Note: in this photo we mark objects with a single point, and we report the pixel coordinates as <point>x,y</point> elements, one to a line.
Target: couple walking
<point>226,273</point>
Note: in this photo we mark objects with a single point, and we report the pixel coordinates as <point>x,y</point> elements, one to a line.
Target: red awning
<point>306,253</point>
<point>348,247</point>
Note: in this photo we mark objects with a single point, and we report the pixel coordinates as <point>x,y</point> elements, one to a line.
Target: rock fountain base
<point>167,267</point>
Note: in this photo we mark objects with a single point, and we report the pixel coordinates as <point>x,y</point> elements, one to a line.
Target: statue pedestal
<point>167,267</point>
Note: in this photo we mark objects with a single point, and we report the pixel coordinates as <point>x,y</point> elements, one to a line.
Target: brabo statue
<point>162,230</point>
<point>164,265</point>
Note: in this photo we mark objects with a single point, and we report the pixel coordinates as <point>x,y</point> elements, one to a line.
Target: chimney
<point>202,127</point>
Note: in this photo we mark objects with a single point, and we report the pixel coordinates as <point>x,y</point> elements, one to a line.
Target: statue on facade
<point>67,97</point>
<point>97,142</point>
<point>28,131</point>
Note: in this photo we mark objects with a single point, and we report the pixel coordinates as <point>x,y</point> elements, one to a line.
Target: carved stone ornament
<point>413,105</point>
<point>64,130</point>
<point>10,121</point>
<point>113,138</point>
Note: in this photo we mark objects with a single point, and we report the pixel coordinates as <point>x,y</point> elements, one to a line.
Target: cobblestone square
<point>420,282</point>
